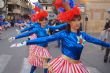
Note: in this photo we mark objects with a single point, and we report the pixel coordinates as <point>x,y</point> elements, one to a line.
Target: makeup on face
<point>75,23</point>
<point>43,19</point>
<point>76,20</point>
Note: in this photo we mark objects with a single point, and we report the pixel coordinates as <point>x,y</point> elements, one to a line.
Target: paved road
<point>14,60</point>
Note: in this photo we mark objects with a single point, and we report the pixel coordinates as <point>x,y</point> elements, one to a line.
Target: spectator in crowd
<point>107,39</point>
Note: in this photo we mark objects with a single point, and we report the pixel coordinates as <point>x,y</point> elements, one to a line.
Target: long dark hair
<point>107,25</point>
<point>75,17</point>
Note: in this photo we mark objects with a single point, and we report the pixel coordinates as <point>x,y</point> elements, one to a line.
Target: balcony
<point>19,2</point>
<point>44,1</point>
<point>14,2</point>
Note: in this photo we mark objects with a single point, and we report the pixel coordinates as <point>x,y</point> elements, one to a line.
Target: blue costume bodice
<point>71,45</point>
<point>39,31</point>
<point>36,29</point>
<point>20,21</point>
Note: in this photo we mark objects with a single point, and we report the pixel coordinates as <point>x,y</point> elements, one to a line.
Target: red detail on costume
<point>36,8</point>
<point>37,55</point>
<point>59,65</point>
<point>81,41</point>
<point>69,15</point>
<point>33,36</point>
<point>58,3</point>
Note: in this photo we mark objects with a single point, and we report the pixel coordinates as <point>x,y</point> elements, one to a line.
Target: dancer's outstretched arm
<point>58,26</point>
<point>58,36</point>
<point>94,40</point>
<point>25,34</point>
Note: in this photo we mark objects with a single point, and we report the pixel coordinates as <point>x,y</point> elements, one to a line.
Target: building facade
<point>17,8</point>
<point>94,10</point>
<point>3,10</point>
<point>97,12</point>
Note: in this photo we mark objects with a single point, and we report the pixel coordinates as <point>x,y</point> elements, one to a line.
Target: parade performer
<point>72,44</point>
<point>38,56</point>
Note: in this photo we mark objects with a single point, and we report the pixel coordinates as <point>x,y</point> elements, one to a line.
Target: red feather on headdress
<point>58,3</point>
<point>33,18</point>
<point>76,10</point>
<point>61,4</point>
<point>68,15</point>
<point>36,8</point>
<point>39,15</point>
<point>42,14</point>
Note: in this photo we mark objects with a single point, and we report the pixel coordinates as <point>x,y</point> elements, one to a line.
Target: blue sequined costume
<point>70,45</point>
<point>39,31</point>
<point>35,29</point>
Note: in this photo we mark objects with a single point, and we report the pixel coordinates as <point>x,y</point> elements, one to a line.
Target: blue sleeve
<point>25,34</point>
<point>57,36</point>
<point>96,41</point>
<point>2,23</point>
<point>26,29</point>
<point>58,26</point>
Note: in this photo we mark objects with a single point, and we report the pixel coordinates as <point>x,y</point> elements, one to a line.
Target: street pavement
<point>14,60</point>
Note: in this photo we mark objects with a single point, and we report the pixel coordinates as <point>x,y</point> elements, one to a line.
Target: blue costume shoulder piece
<point>31,27</point>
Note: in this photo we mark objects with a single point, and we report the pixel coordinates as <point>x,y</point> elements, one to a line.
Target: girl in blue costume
<point>38,56</point>
<point>72,44</point>
<point>41,53</point>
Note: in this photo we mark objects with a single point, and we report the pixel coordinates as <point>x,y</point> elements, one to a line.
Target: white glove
<point>11,39</point>
<point>22,28</point>
<point>18,32</point>
<point>18,44</point>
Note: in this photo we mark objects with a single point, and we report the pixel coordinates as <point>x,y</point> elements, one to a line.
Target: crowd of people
<point>6,24</point>
<point>105,36</point>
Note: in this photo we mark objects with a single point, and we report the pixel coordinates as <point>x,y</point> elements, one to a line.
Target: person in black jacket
<point>107,51</point>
